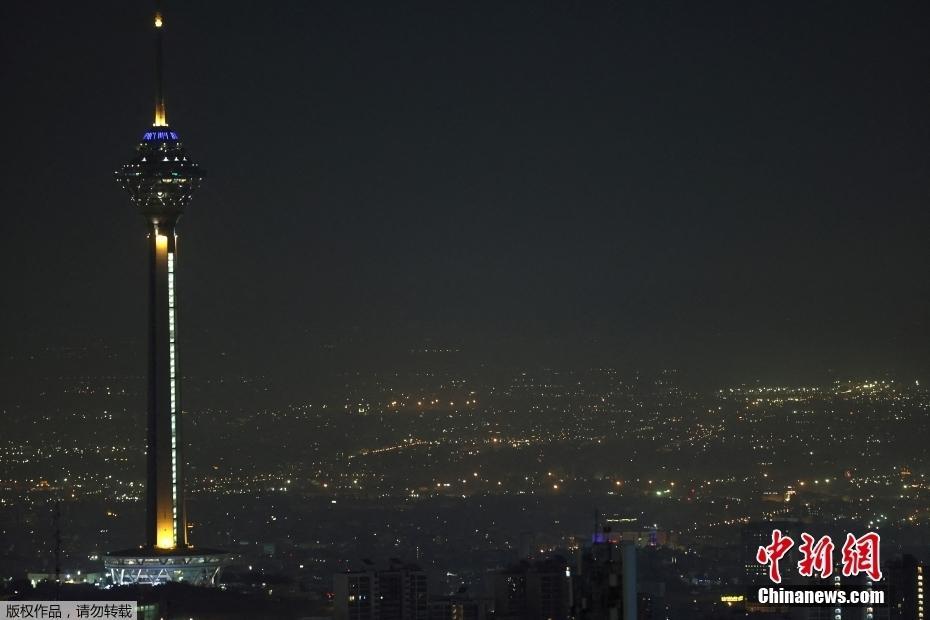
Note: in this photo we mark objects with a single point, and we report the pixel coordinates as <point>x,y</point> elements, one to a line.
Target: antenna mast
<point>161,114</point>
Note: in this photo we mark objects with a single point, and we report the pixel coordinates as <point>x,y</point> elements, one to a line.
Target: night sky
<point>739,189</point>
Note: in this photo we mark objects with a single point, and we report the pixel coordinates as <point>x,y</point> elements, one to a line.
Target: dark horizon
<point>738,190</point>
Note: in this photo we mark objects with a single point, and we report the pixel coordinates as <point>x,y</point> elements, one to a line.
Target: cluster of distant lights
<point>556,485</point>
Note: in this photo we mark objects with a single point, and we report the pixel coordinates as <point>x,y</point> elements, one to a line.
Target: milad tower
<point>161,180</point>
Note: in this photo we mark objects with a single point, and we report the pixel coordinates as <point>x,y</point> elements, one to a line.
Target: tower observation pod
<point>161,180</point>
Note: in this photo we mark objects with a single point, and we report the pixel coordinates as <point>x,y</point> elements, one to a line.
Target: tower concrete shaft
<point>166,522</point>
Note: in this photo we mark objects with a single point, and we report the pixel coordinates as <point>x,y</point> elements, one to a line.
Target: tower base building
<point>152,566</point>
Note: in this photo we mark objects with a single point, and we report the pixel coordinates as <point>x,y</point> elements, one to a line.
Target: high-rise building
<point>904,583</point>
<point>398,592</point>
<point>354,595</point>
<point>160,180</point>
<point>604,583</point>
<point>538,590</point>
<point>456,608</point>
<point>755,535</point>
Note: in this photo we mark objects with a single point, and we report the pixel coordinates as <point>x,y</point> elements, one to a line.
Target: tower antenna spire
<point>161,114</point>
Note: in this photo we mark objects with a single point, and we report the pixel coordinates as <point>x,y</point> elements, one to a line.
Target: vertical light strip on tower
<point>172,381</point>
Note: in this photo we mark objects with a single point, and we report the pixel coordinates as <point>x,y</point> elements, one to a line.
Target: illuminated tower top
<point>162,177</point>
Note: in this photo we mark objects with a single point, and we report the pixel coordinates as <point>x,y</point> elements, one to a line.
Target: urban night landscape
<point>436,310</point>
